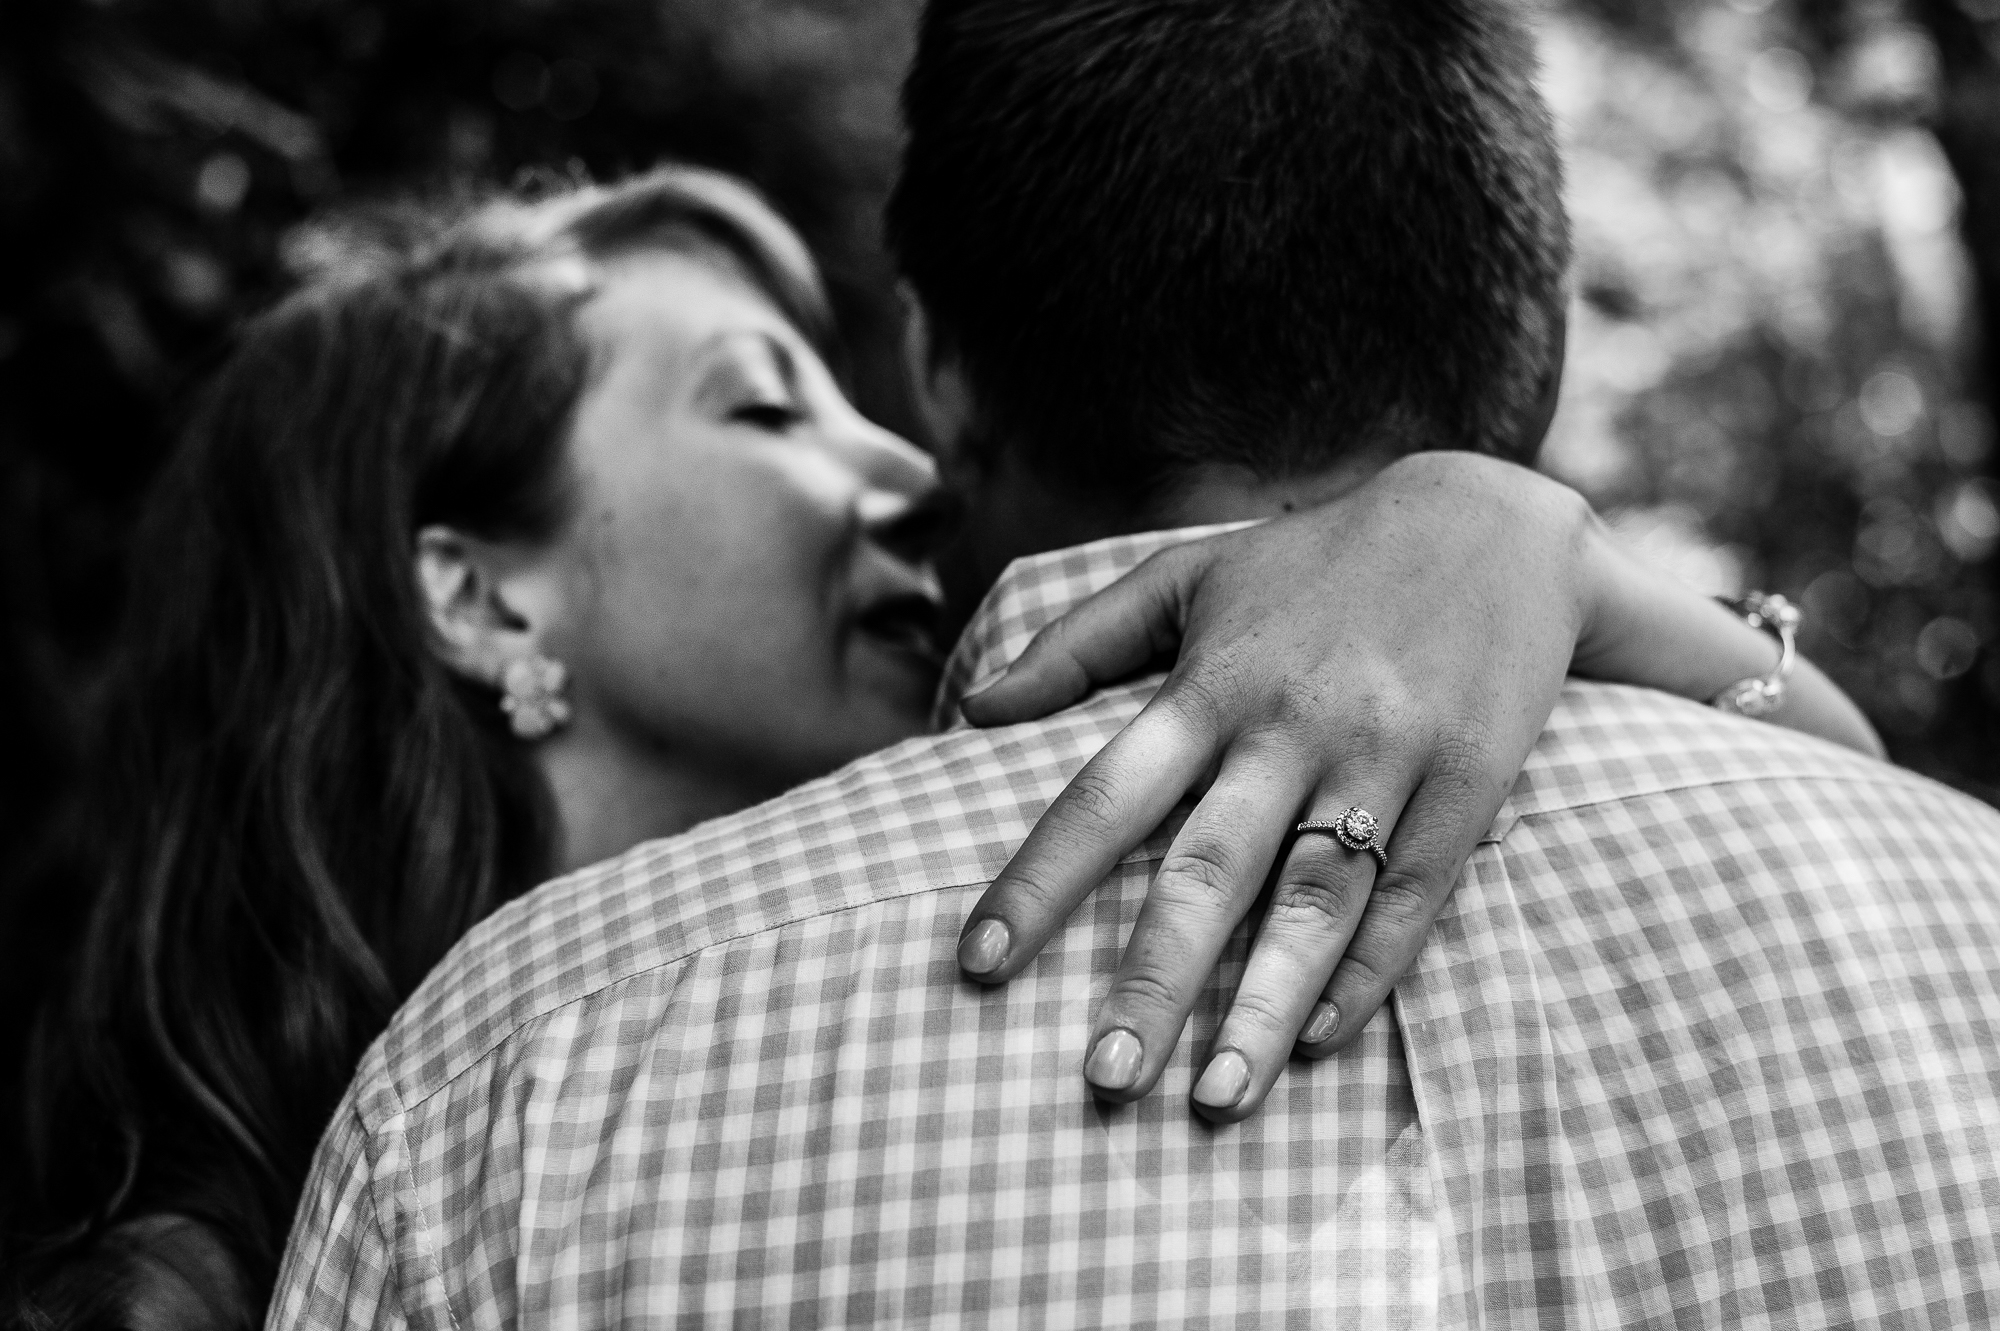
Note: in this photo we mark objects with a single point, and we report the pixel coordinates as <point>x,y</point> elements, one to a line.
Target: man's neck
<point>1221,493</point>
<point>1016,513</point>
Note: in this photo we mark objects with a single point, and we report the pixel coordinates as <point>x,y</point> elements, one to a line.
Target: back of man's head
<point>1262,233</point>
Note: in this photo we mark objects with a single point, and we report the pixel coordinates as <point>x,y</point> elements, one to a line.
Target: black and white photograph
<point>999,664</point>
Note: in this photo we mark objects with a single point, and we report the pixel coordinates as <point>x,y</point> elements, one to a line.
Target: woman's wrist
<point>1647,629</point>
<point>1613,607</point>
<point>1777,618</point>
<point>1521,523</point>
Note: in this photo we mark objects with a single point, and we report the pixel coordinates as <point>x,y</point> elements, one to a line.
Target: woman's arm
<point>1644,628</point>
<point>1400,649</point>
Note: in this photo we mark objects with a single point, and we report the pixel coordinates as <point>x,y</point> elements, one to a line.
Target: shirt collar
<point>1032,594</point>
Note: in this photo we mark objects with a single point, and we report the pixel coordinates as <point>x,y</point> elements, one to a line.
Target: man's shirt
<point>1705,1037</point>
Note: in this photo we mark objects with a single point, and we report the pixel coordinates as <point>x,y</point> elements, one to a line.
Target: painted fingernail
<point>1114,1061</point>
<point>981,951</point>
<point>1223,1084</point>
<point>1324,1018</point>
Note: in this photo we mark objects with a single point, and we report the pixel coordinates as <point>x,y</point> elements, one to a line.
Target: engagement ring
<point>1355,829</point>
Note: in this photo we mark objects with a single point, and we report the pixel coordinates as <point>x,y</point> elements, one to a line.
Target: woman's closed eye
<point>775,417</point>
<point>751,380</point>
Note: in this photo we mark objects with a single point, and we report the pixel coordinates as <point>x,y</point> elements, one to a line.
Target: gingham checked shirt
<point>1709,1036</point>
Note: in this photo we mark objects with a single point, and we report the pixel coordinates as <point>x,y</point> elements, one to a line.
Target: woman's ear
<point>476,632</point>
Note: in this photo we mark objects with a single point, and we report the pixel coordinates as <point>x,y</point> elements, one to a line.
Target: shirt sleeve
<point>339,1270</point>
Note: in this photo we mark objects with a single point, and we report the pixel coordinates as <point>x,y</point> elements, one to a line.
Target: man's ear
<point>1535,425</point>
<point>943,398</point>
<point>475,630</point>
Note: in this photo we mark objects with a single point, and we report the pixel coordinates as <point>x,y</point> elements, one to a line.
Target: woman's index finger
<point>1111,635</point>
<point>1119,798</point>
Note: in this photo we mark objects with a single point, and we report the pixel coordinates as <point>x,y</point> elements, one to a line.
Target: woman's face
<point>737,589</point>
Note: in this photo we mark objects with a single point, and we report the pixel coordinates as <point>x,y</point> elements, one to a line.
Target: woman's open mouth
<point>906,623</point>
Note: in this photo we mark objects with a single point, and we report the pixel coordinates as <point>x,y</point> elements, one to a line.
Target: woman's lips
<point>906,623</point>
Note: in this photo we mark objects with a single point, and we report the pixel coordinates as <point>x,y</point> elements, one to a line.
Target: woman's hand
<point>1399,649</point>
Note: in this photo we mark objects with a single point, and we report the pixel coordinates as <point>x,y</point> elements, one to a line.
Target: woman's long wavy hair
<point>302,808</point>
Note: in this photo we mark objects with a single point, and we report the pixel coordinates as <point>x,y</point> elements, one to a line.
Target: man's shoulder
<point>947,811</point>
<point>933,813</point>
<point>1610,742</point>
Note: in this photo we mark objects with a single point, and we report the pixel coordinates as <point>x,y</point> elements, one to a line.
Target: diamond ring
<point>1355,829</point>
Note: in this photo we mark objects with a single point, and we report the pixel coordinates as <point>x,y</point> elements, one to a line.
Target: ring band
<point>1355,829</point>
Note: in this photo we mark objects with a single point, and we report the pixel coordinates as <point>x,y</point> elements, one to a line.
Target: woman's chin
<point>897,680</point>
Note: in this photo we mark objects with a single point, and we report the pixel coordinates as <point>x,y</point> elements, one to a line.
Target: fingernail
<point>981,951</point>
<point>1114,1061</point>
<point>1223,1084</point>
<point>1324,1018</point>
<point>982,689</point>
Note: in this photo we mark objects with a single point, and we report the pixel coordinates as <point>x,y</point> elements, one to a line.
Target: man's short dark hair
<point>1260,232</point>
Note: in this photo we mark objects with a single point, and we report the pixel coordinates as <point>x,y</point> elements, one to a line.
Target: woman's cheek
<point>756,587</point>
<point>793,542</point>
<point>716,570</point>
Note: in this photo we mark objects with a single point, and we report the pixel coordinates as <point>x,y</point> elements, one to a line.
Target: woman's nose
<point>902,506</point>
<point>909,526</point>
<point>885,461</point>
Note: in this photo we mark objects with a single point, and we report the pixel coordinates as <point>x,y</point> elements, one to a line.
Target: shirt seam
<point>1895,775</point>
<point>408,1169</point>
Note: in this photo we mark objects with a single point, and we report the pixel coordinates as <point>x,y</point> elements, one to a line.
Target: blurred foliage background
<point>1788,216</point>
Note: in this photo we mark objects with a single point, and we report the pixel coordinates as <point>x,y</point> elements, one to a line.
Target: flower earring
<point>532,696</point>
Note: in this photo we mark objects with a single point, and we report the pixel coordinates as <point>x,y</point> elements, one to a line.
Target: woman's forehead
<point>667,306</point>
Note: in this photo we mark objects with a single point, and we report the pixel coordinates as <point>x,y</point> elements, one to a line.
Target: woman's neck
<point>610,795</point>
